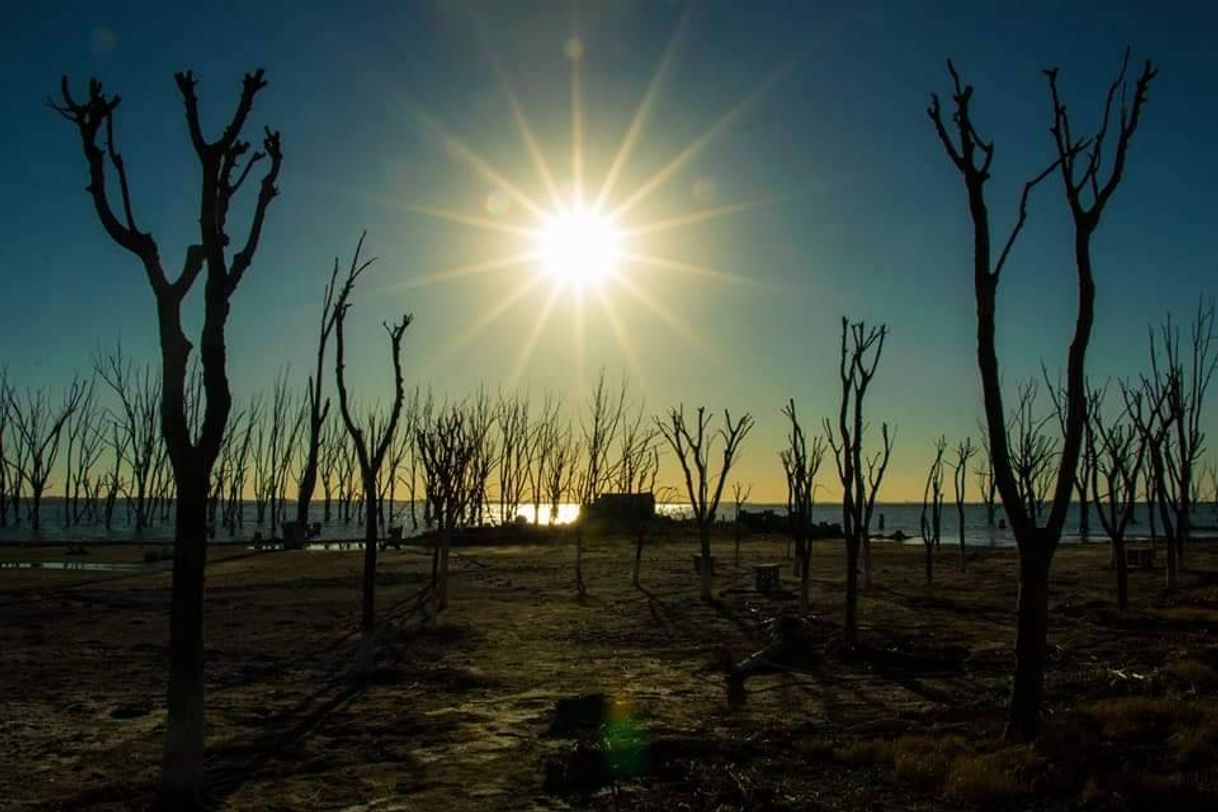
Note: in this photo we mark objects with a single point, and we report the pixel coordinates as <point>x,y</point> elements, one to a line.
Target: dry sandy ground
<point>481,710</point>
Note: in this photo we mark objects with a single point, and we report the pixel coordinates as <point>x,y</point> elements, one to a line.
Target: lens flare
<point>579,247</point>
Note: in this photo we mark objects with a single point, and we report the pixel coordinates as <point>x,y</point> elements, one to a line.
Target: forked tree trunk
<point>930,564</point>
<point>367,646</point>
<point>850,630</point>
<point>182,757</point>
<point>1031,645</point>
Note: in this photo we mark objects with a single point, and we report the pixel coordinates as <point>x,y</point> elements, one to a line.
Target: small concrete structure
<point>295,535</point>
<point>622,508</point>
<point>768,577</point>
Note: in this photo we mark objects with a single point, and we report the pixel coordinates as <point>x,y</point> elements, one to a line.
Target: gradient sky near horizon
<point>858,211</point>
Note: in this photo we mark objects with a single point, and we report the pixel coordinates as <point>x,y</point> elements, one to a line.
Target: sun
<point>584,238</point>
<point>579,247</point>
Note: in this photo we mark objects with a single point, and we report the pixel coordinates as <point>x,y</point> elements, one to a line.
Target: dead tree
<point>964,452</point>
<point>559,476</point>
<point>192,454</point>
<point>693,448</point>
<point>481,413</point>
<point>802,464</point>
<point>449,444</point>
<point>331,449</point>
<point>740,495</point>
<point>1080,164</point>
<point>81,453</point>
<point>1118,451</point>
<point>987,486</point>
<point>371,439</point>
<point>138,417</point>
<point>600,426</point>
<point>229,481</point>
<point>635,471</point>
<point>932,508</point>
<point>112,482</point>
<point>274,444</point>
<point>39,429</point>
<point>513,463</point>
<point>319,409</point>
<point>1180,381</point>
<point>860,474</point>
<point>418,414</point>
<point>1033,452</point>
<point>544,438</point>
<point>401,456</point>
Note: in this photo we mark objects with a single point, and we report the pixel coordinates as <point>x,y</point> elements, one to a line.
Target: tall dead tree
<point>1080,163</point>
<point>693,448</point>
<point>371,438</point>
<point>191,455</point>
<point>802,464</point>
<point>860,474</point>
<point>964,452</point>
<point>932,508</point>
<point>318,408</point>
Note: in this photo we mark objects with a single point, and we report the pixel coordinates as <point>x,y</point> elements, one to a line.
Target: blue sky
<point>865,216</point>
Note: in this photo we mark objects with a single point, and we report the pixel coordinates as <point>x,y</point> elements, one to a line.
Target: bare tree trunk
<point>707,570</point>
<point>850,627</point>
<point>182,759</point>
<point>368,616</point>
<point>1031,646</point>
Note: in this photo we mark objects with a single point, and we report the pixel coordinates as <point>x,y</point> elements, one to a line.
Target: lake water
<point>904,517</point>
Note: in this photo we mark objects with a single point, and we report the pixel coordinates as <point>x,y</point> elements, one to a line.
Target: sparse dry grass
<point>924,761</point>
<point>991,776</point>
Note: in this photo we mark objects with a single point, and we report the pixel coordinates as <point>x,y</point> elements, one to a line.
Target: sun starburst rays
<point>582,240</point>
